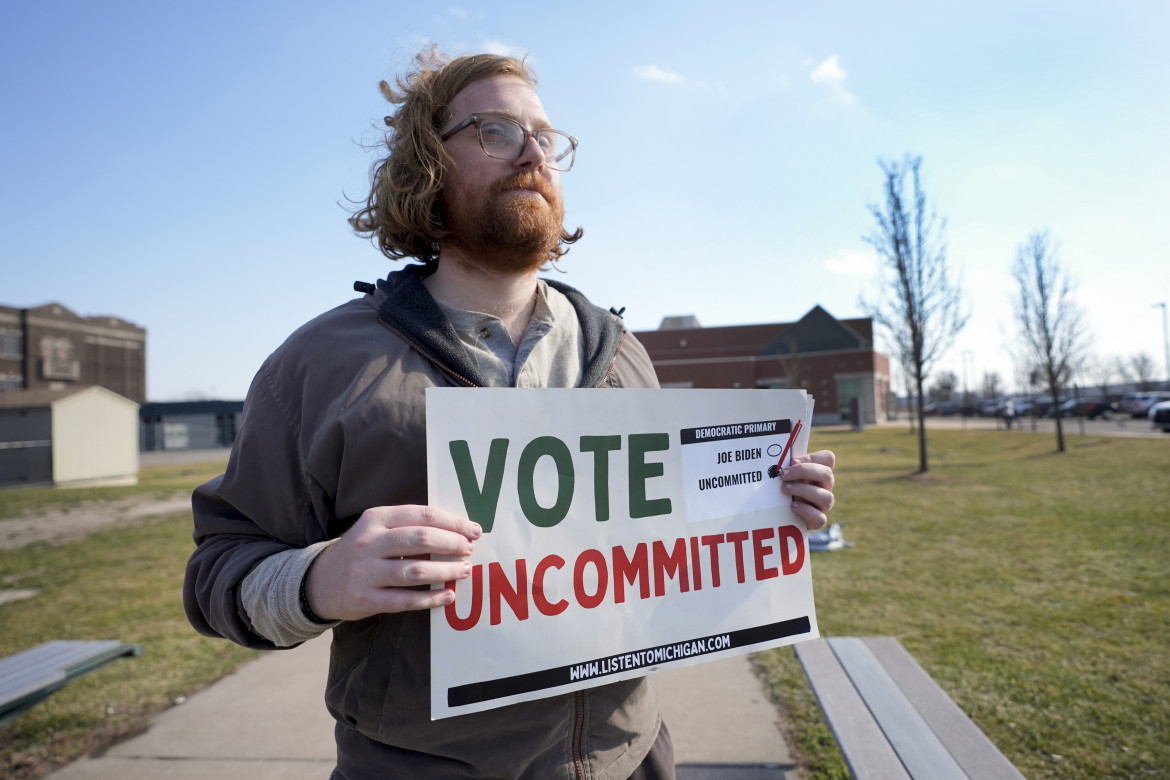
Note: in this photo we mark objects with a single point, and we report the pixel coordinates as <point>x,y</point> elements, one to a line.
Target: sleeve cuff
<point>271,595</point>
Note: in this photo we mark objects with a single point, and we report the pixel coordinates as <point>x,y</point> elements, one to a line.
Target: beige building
<point>74,437</point>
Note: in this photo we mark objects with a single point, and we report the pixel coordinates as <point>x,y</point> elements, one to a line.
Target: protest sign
<point>624,532</point>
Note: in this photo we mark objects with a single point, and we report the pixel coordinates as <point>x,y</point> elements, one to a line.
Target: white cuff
<point>271,595</point>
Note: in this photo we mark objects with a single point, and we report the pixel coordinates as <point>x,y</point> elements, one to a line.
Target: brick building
<point>834,360</point>
<point>51,348</point>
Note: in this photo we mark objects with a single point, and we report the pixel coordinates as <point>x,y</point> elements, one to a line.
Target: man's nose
<point>531,154</point>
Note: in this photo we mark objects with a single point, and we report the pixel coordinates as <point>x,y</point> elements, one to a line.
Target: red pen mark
<point>774,471</point>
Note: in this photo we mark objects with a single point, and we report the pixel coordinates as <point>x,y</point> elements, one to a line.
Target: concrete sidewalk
<point>267,721</point>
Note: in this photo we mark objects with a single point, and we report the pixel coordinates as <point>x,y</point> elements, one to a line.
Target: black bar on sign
<point>488,690</point>
<point>727,431</point>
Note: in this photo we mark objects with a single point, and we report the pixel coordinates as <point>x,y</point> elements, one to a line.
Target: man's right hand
<point>375,565</point>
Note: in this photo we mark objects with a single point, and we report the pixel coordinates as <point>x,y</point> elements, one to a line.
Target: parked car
<point>992,407</point>
<point>1085,407</point>
<point>1159,416</point>
<point>1139,405</point>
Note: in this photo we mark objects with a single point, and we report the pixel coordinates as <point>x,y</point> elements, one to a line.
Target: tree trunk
<point>921,423</point>
<point>1055,393</point>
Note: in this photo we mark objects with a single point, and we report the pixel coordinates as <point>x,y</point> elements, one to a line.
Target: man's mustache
<point>527,181</point>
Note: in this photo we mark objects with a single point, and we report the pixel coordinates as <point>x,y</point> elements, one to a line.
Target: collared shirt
<point>551,352</point>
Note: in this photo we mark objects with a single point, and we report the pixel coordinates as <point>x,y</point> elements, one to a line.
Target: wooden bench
<point>30,676</point>
<point>890,719</point>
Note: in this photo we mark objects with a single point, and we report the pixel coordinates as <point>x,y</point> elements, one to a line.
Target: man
<point>320,521</point>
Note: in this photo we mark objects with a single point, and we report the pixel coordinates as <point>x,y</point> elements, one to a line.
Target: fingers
<point>388,561</point>
<point>814,519</point>
<point>809,480</point>
<point>815,467</point>
<point>419,518</point>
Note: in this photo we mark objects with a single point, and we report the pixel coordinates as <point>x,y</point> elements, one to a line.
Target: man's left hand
<point>809,480</point>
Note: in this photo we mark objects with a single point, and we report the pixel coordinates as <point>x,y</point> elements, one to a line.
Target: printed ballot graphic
<point>725,467</point>
<point>624,532</point>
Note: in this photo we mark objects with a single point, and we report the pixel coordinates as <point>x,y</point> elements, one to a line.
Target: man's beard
<point>505,233</point>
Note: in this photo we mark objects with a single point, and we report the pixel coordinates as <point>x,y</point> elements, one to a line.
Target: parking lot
<point>1115,425</point>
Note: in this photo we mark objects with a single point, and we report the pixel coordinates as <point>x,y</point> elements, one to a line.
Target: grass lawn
<point>121,584</point>
<point>1031,585</point>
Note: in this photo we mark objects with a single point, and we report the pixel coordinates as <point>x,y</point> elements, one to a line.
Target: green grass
<point>121,584</point>
<point>1031,585</point>
<point>153,481</point>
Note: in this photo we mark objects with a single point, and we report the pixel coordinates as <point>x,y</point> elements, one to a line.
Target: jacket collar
<point>407,309</point>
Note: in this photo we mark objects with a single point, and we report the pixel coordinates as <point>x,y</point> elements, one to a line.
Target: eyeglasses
<point>504,139</point>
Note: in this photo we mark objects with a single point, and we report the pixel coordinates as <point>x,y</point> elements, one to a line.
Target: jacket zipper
<point>613,360</point>
<point>441,366</point>
<point>578,725</point>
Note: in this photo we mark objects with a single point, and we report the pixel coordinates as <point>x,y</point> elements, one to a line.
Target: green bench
<point>30,676</point>
<point>890,719</point>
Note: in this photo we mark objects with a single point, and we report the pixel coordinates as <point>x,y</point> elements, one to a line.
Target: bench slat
<point>921,751</point>
<point>32,675</point>
<point>976,754</point>
<point>863,745</point>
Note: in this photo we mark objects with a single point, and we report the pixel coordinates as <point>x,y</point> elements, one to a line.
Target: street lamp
<point>966,399</point>
<point>1165,339</point>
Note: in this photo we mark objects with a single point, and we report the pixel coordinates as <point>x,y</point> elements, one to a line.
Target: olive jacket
<point>334,423</point>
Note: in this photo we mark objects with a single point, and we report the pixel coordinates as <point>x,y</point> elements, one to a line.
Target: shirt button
<point>485,333</point>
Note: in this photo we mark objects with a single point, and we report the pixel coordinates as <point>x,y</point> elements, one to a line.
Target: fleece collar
<point>408,310</point>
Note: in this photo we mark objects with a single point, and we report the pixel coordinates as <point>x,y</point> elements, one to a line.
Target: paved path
<point>267,721</point>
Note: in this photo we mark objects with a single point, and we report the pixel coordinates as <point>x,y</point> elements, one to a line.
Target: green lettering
<point>540,516</point>
<point>640,471</point>
<point>480,503</point>
<point>601,446</point>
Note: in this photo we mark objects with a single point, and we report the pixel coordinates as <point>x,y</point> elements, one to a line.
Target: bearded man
<point>320,521</point>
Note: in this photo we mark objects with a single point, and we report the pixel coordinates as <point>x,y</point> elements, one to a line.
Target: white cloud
<point>502,49</point>
<point>832,75</point>
<point>851,262</point>
<point>655,73</point>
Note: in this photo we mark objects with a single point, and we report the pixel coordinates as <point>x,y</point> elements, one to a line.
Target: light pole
<point>1165,339</point>
<point>966,400</point>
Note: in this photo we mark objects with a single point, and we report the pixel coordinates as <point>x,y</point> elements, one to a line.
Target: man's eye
<point>496,133</point>
<point>547,141</point>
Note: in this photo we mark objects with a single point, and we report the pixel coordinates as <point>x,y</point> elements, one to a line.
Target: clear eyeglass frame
<point>560,149</point>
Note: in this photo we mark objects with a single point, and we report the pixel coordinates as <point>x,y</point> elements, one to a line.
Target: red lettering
<point>598,560</point>
<point>696,569</point>
<point>713,543</point>
<point>631,570</point>
<point>738,538</point>
<point>670,565</point>
<point>499,587</point>
<point>760,549</point>
<point>789,563</point>
<point>538,598</point>
<point>476,586</point>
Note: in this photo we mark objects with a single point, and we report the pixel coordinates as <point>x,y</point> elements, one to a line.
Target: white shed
<point>80,436</point>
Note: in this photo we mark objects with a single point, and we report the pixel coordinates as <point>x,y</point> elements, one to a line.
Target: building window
<point>58,360</point>
<point>11,343</point>
<point>10,382</point>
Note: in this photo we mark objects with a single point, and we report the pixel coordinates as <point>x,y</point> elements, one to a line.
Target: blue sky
<point>186,165</point>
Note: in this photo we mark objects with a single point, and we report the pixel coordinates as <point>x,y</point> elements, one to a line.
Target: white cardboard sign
<point>625,532</point>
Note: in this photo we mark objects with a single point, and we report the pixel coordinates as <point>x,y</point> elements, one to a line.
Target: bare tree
<point>991,385</point>
<point>944,386</point>
<point>1101,372</point>
<point>1050,320</point>
<point>1140,370</point>
<point>919,306</point>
